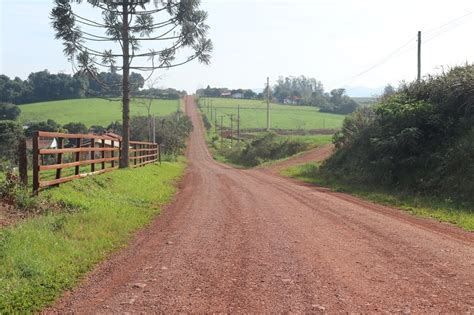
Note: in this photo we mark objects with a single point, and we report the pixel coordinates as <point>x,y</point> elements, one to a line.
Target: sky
<point>342,43</point>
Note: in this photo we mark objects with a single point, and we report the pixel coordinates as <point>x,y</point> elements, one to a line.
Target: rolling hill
<point>91,111</point>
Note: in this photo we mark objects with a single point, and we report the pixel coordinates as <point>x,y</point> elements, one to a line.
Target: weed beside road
<point>45,255</point>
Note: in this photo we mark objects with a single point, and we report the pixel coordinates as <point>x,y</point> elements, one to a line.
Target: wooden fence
<point>79,155</point>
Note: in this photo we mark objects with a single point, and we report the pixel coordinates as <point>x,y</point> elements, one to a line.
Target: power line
<point>448,23</point>
<point>399,51</point>
<point>264,108</point>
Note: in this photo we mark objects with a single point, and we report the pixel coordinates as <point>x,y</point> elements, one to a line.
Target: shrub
<point>9,111</point>
<point>206,122</point>
<point>171,131</point>
<point>49,125</point>
<point>10,133</point>
<point>419,138</point>
<point>266,148</point>
<point>14,193</point>
<point>76,127</point>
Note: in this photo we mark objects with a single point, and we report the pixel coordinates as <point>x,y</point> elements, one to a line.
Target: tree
<point>9,111</point>
<point>388,91</point>
<point>249,94</point>
<point>49,125</point>
<point>115,127</point>
<point>76,127</point>
<point>339,103</point>
<point>10,133</point>
<point>307,89</point>
<point>127,25</point>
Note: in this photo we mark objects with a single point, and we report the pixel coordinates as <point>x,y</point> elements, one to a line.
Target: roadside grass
<point>42,256</point>
<point>91,111</point>
<point>281,116</point>
<point>435,207</point>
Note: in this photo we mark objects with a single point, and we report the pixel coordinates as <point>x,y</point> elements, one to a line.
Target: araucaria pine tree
<point>117,33</point>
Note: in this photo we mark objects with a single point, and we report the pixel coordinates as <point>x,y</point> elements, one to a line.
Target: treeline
<point>310,92</point>
<point>43,86</point>
<point>218,92</point>
<point>293,91</point>
<point>419,138</point>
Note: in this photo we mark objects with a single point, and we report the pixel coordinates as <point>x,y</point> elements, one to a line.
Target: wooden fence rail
<point>80,155</point>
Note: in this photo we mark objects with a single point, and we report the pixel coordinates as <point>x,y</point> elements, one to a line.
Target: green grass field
<point>90,111</point>
<point>45,255</point>
<point>253,114</point>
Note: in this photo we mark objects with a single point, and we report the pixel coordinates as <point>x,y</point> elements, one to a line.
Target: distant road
<point>250,241</point>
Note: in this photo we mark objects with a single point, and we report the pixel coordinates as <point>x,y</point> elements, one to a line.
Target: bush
<point>49,125</point>
<point>171,131</point>
<point>76,127</point>
<point>338,102</point>
<point>15,194</point>
<point>266,148</point>
<point>419,138</point>
<point>206,122</point>
<point>9,111</point>
<point>10,133</point>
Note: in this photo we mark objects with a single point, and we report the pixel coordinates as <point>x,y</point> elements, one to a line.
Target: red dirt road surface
<point>250,241</point>
<point>315,155</point>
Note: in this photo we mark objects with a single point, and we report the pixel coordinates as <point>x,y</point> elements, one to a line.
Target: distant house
<point>292,100</point>
<point>98,144</point>
<point>226,94</point>
<point>238,95</point>
<point>42,143</point>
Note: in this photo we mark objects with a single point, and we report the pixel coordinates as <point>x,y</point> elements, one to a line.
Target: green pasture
<point>91,111</point>
<point>253,114</point>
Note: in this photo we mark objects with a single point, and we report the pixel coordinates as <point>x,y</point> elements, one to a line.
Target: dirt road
<point>250,241</point>
<point>315,155</point>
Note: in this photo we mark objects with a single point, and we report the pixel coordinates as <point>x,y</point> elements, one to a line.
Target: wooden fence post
<point>159,152</point>
<point>92,154</point>
<point>35,163</point>
<point>103,153</point>
<point>78,156</point>
<point>59,159</point>
<point>135,154</point>
<point>112,153</point>
<point>23,162</point>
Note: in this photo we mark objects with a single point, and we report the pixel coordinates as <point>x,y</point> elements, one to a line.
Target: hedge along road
<point>250,241</point>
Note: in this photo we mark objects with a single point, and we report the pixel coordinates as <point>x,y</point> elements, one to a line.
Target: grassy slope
<point>45,255</point>
<point>281,117</point>
<point>424,206</point>
<point>90,111</point>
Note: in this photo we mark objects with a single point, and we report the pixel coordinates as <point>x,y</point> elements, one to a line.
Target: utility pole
<point>238,126</point>
<point>215,121</point>
<point>222,131</point>
<point>268,104</point>
<point>232,130</point>
<point>154,129</point>
<point>419,56</point>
